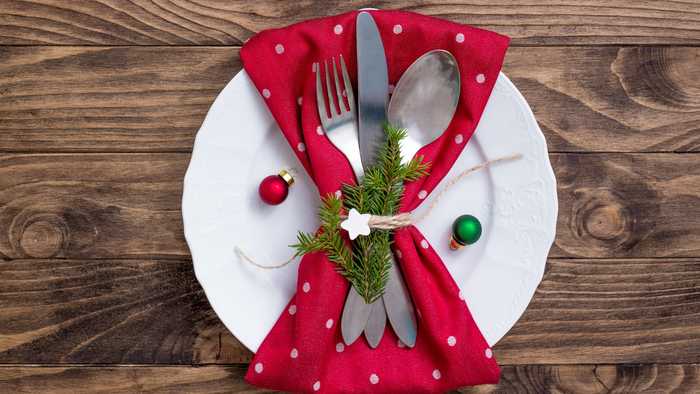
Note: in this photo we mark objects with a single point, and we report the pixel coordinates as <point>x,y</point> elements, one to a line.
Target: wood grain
<point>612,99</point>
<point>91,206</point>
<point>631,205</point>
<point>227,379</point>
<point>610,311</point>
<point>130,99</point>
<point>211,22</point>
<point>125,379</point>
<point>128,205</point>
<point>144,312</point>
<point>108,311</point>
<point>99,105</point>
<point>595,379</point>
<point>108,99</point>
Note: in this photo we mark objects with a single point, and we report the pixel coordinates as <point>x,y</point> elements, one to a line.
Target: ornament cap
<point>284,174</point>
<point>454,245</point>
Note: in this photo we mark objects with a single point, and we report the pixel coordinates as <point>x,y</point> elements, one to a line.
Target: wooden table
<point>99,105</point>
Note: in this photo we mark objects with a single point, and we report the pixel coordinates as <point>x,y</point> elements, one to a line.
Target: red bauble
<point>274,189</point>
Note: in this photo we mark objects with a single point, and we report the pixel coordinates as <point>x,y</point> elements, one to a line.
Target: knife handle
<point>399,306</point>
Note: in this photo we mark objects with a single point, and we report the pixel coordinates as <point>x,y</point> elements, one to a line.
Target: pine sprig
<point>328,240</point>
<point>379,192</point>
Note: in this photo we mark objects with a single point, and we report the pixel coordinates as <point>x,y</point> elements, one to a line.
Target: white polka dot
<point>319,130</point>
<point>436,374</point>
<point>451,340</point>
<point>339,347</point>
<point>400,344</point>
<point>481,78</point>
<point>301,147</point>
<point>459,138</point>
<point>299,100</point>
<point>488,353</point>
<point>292,309</point>
<point>461,295</point>
<point>424,244</point>
<point>306,287</point>
<point>398,29</point>
<point>258,367</point>
<point>338,194</point>
<point>338,29</point>
<point>279,48</point>
<point>399,254</point>
<point>266,93</point>
<point>329,323</point>
<point>317,386</point>
<point>459,37</point>
<point>294,353</point>
<point>422,194</point>
<point>373,378</point>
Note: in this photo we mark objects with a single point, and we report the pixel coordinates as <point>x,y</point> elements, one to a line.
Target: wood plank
<point>226,379</point>
<point>92,206</point>
<point>109,311</point>
<point>125,379</point>
<point>128,205</point>
<point>108,99</point>
<point>610,311</point>
<point>627,205</point>
<point>131,99</point>
<point>211,22</point>
<point>145,312</point>
<point>595,379</point>
<point>612,99</point>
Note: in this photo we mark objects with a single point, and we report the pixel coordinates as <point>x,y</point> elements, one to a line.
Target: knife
<point>373,94</point>
<point>373,88</point>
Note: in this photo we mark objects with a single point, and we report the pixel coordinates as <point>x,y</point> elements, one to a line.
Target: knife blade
<point>373,94</point>
<point>373,88</point>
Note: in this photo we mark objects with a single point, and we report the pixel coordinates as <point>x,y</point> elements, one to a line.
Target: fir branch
<point>366,266</point>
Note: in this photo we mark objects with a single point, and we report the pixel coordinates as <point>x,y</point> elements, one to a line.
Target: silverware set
<point>423,103</point>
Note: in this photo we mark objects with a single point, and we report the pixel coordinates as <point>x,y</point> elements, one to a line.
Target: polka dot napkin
<point>304,351</point>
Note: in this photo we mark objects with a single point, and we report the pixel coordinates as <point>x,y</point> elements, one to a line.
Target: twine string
<point>402,219</point>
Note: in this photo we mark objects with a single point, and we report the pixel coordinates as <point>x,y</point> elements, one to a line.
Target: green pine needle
<point>366,266</point>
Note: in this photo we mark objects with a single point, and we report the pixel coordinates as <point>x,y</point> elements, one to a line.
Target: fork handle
<point>355,316</point>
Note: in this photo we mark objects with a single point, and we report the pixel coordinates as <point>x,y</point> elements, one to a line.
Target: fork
<point>340,125</point>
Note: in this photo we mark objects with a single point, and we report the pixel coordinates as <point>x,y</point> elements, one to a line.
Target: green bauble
<point>466,230</point>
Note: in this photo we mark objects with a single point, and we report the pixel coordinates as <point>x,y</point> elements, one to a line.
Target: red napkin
<point>304,351</point>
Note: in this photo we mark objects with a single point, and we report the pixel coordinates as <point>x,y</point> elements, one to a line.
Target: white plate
<point>239,144</point>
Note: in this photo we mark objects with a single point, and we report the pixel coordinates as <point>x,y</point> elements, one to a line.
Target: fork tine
<point>320,100</point>
<point>348,85</point>
<point>338,90</point>
<point>331,103</point>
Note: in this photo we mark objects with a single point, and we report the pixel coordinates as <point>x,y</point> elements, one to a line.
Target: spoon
<point>425,100</point>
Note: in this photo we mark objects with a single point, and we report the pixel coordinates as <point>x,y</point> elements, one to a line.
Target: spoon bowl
<point>425,100</point>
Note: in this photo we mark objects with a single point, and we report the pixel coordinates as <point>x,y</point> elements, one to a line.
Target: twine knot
<point>399,220</point>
